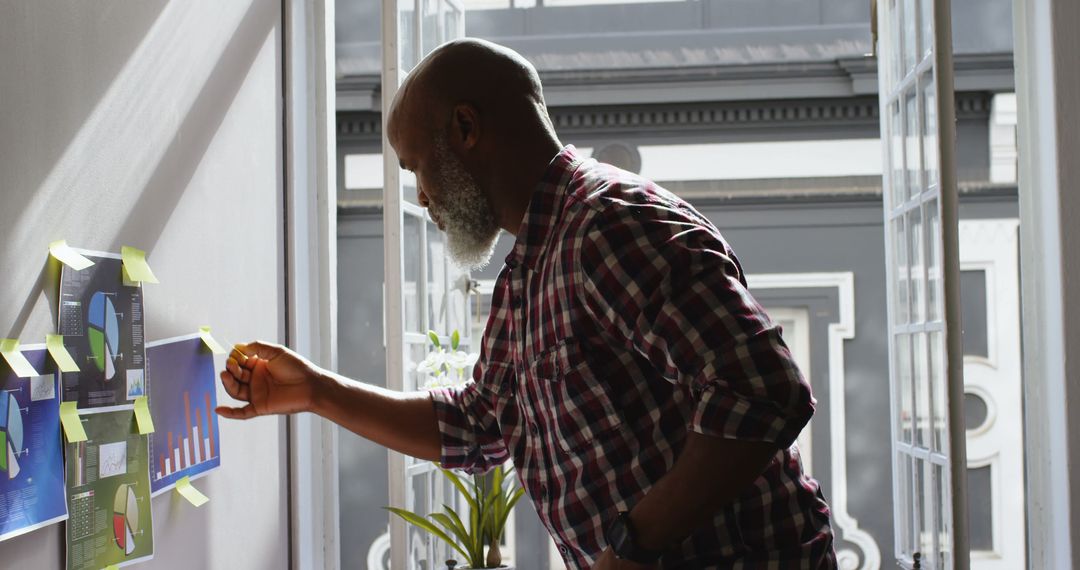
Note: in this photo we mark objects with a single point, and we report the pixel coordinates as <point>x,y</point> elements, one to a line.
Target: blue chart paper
<point>32,466</point>
<point>183,394</point>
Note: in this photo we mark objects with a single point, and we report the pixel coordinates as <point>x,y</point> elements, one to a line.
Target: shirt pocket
<point>579,407</point>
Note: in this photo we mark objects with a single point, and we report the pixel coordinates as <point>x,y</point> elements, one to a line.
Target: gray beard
<point>469,223</point>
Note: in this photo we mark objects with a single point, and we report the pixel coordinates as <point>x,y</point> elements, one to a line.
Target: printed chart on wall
<point>108,494</point>
<point>182,390</point>
<point>101,318</point>
<point>31,464</point>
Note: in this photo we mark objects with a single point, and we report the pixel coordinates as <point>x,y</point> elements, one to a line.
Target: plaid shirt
<point>620,322</point>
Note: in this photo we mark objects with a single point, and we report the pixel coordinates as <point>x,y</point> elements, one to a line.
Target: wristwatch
<point>622,539</point>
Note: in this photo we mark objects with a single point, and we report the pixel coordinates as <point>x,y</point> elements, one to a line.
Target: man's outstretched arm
<point>272,379</point>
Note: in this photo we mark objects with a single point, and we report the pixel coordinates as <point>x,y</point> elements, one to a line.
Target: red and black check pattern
<point>620,322</point>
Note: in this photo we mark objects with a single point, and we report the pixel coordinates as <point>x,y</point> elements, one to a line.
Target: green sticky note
<point>60,354</point>
<point>183,486</point>
<point>112,567</point>
<point>142,415</point>
<point>3,456</point>
<point>136,266</point>
<point>68,256</point>
<point>22,368</point>
<point>69,417</point>
<point>212,344</point>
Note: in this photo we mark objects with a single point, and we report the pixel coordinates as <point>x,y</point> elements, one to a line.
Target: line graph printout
<point>101,319</point>
<point>183,395</point>
<point>108,481</point>
<point>31,462</point>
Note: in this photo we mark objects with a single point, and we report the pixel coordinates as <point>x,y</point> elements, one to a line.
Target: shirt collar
<point>544,209</point>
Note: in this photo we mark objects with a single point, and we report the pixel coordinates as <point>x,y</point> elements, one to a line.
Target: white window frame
<point>310,186</point>
<point>1047,88</point>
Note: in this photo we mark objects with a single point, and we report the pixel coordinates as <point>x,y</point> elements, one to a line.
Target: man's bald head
<point>499,83</point>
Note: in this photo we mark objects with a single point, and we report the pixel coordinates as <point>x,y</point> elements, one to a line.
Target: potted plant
<point>490,499</point>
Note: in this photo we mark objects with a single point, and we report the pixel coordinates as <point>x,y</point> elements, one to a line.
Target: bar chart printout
<point>182,390</point>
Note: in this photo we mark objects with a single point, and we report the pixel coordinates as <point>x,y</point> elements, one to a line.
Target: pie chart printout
<point>101,318</point>
<point>125,519</point>
<point>11,434</point>
<point>104,332</point>
<point>31,458</point>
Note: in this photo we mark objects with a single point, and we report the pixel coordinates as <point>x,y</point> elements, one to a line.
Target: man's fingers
<point>263,350</point>
<point>235,389</point>
<point>232,365</point>
<point>245,413</point>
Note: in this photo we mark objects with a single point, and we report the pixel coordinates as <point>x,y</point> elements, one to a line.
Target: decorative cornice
<point>357,128</point>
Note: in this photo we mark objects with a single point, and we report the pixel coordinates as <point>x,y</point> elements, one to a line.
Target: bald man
<point>648,403</point>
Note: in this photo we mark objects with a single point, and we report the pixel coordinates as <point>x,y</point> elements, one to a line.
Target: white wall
<point>155,124</point>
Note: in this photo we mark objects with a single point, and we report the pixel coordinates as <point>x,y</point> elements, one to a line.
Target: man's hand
<point>608,561</point>
<point>270,378</point>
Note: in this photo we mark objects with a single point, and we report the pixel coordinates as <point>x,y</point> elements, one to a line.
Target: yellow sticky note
<point>22,368</point>
<point>212,344</point>
<point>69,417</point>
<point>112,567</point>
<point>63,359</point>
<point>136,266</point>
<point>142,415</point>
<point>193,495</point>
<point>68,256</point>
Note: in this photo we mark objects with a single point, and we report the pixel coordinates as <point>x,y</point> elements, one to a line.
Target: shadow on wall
<point>132,158</point>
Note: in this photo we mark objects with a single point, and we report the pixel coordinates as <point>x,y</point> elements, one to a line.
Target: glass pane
<point>902,362</point>
<point>901,272</point>
<point>945,526</point>
<point>930,503</point>
<point>436,275</point>
<point>934,285</point>
<point>920,355</point>
<point>926,34</point>
<point>930,148</point>
<point>406,36</point>
<point>408,188</point>
<point>980,508</point>
<point>418,539</point>
<point>909,43</point>
<point>894,48</point>
<point>430,26</point>
<point>897,186</point>
<point>917,274</point>
<point>912,155</point>
<point>415,379</point>
<point>903,486</point>
<point>454,20</point>
<point>938,389</point>
<point>412,240</point>
<point>458,303</point>
<point>919,492</point>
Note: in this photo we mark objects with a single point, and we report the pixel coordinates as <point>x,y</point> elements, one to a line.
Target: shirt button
<point>535,429</point>
<point>563,549</point>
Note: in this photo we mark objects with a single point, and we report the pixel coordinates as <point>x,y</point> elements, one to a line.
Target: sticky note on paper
<point>60,354</point>
<point>65,254</point>
<point>212,344</point>
<point>142,415</point>
<point>112,567</point>
<point>69,418</point>
<point>193,495</point>
<point>22,368</point>
<point>135,265</point>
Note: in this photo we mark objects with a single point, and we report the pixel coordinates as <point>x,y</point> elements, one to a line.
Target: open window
<point>922,267</point>
<point>423,289</point>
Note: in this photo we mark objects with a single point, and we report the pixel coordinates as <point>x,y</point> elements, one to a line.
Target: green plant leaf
<point>444,520</point>
<point>471,543</point>
<point>460,487</point>
<point>455,340</point>
<point>422,523</point>
<point>434,339</point>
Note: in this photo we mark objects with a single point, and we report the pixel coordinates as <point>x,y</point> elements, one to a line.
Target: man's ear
<point>464,127</point>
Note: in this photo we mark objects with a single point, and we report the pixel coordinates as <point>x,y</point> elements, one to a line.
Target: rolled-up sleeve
<point>664,282</point>
<point>469,427</point>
